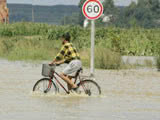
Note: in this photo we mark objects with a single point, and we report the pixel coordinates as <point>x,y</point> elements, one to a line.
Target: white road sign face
<point>92,9</point>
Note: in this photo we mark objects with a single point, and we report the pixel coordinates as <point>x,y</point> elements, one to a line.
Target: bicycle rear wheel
<point>45,85</point>
<point>89,87</point>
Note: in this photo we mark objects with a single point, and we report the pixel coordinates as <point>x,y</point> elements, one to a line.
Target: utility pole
<point>92,47</point>
<point>32,13</point>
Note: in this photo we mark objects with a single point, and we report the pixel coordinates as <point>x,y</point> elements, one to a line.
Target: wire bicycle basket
<point>47,70</point>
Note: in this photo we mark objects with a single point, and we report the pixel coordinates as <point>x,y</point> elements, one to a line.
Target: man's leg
<point>67,80</point>
<point>69,86</point>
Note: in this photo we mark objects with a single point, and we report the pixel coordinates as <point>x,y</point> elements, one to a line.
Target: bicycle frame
<point>53,76</point>
<point>84,84</point>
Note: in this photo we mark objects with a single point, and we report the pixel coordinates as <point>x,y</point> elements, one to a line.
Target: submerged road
<point>126,95</point>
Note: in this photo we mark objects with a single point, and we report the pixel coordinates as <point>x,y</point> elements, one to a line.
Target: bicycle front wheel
<point>45,85</point>
<point>89,87</point>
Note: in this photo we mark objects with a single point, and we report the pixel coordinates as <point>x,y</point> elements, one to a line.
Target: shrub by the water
<point>158,63</point>
<point>107,59</point>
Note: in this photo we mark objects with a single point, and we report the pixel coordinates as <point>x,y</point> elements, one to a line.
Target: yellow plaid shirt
<point>68,53</point>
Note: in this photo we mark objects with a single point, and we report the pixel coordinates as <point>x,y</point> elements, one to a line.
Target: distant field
<point>35,41</point>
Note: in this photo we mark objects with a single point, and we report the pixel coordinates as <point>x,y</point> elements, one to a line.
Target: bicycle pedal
<point>45,91</point>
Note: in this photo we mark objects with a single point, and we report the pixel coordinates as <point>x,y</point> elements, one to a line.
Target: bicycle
<point>51,84</point>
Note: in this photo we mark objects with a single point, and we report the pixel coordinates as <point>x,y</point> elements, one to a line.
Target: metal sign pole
<point>92,10</point>
<point>92,47</point>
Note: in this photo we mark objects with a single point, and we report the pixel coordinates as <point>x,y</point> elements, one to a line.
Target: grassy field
<point>36,41</point>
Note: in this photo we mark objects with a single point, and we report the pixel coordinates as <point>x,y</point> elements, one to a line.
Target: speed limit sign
<point>92,9</point>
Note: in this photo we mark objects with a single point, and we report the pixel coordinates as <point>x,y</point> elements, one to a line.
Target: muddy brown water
<point>126,95</point>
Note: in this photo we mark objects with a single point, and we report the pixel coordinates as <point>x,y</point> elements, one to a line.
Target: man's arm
<point>60,62</point>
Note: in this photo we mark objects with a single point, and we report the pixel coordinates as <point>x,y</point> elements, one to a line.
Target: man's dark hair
<point>66,36</point>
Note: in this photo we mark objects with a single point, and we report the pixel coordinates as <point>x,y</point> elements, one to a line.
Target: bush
<point>158,56</point>
<point>158,63</point>
<point>107,59</point>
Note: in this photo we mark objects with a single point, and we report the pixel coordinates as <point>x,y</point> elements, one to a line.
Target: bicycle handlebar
<point>54,64</point>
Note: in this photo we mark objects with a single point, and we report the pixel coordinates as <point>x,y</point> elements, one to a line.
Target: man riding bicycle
<point>68,54</point>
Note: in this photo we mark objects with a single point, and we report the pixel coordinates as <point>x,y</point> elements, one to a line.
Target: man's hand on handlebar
<point>57,63</point>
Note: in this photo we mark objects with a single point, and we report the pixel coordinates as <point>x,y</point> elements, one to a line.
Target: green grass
<point>133,41</point>
<point>32,48</point>
<point>36,41</point>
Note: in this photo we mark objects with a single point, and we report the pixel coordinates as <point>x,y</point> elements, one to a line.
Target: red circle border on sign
<point>85,14</point>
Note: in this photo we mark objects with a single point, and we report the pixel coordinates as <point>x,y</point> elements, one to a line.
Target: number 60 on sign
<point>92,9</point>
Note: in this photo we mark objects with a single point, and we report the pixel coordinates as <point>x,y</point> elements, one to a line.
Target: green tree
<point>126,17</point>
<point>147,12</point>
<point>81,16</point>
<point>143,14</point>
<point>109,7</point>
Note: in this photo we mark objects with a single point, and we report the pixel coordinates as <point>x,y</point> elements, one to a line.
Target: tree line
<point>144,13</point>
<point>42,14</point>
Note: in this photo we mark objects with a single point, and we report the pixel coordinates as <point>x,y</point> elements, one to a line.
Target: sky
<point>64,2</point>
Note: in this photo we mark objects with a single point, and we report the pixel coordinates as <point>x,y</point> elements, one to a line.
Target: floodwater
<point>126,95</point>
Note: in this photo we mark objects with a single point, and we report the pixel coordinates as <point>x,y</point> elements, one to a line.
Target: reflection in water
<point>127,95</point>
